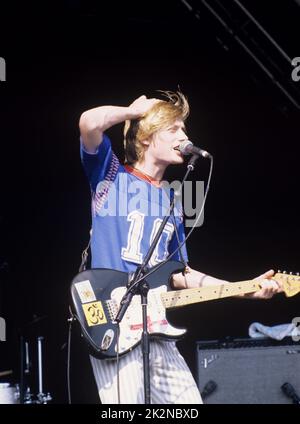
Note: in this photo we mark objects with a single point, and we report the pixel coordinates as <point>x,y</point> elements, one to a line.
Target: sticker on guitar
<point>94,313</point>
<point>85,291</point>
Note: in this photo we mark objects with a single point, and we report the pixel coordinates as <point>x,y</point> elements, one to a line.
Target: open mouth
<point>176,148</point>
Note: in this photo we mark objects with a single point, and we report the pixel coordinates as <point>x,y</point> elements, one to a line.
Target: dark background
<point>70,56</point>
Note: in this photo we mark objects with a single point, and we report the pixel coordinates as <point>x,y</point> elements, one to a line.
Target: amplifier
<point>249,371</point>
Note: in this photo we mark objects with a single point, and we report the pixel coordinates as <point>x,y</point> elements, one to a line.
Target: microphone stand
<point>138,285</point>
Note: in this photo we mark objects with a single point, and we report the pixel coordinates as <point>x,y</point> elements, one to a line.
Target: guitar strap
<point>85,254</point>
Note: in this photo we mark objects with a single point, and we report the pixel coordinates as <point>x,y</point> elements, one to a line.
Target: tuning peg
<point>291,273</point>
<point>279,271</point>
<point>284,272</point>
<point>297,273</point>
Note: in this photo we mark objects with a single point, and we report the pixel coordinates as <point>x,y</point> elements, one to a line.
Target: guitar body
<point>96,295</point>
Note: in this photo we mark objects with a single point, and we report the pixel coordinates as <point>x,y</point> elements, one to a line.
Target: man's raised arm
<point>94,122</point>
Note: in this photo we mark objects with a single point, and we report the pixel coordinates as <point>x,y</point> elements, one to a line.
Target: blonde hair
<point>162,114</point>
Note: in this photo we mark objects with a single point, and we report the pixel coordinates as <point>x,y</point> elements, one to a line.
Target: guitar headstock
<point>290,282</point>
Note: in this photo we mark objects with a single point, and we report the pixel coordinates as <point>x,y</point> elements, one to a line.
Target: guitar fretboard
<point>176,298</point>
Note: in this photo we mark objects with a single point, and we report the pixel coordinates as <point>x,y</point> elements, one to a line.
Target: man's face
<point>165,142</point>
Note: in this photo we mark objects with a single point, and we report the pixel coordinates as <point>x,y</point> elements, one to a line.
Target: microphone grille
<point>184,147</point>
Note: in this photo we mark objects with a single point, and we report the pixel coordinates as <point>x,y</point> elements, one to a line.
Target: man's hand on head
<point>142,105</point>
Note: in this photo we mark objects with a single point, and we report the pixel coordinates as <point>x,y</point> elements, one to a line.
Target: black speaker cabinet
<point>249,371</point>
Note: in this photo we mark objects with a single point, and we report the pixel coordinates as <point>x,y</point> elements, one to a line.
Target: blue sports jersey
<point>126,214</point>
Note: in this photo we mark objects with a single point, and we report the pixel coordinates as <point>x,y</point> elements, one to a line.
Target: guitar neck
<point>177,298</point>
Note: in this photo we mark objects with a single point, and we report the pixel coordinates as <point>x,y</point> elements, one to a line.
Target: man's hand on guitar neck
<point>193,279</point>
<point>269,286</point>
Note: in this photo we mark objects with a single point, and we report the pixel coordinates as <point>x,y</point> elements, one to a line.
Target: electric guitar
<point>97,293</point>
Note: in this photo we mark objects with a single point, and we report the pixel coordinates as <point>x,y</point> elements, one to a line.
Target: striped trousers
<point>171,381</point>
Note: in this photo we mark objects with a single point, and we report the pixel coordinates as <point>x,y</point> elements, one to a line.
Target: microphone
<point>187,148</point>
<point>209,387</point>
<point>290,392</point>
